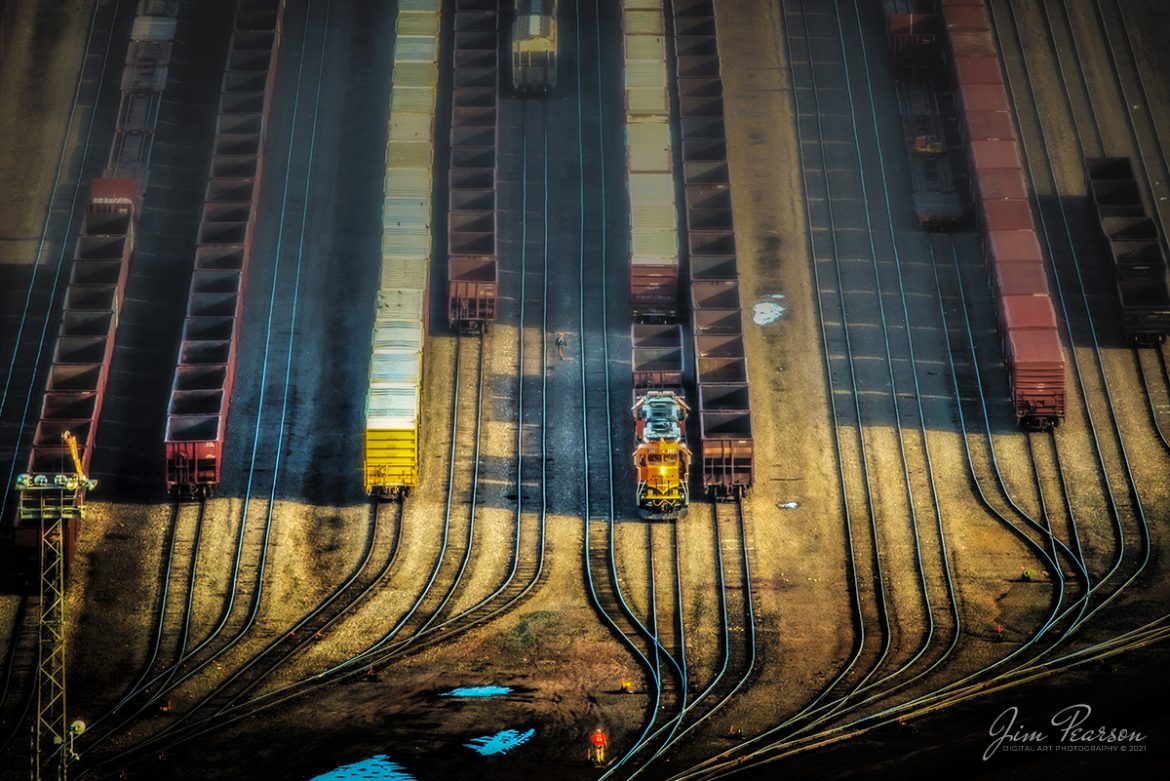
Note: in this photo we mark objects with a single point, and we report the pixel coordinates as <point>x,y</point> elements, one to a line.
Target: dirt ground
<point>563,665</point>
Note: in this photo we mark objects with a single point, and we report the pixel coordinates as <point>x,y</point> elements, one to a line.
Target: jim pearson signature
<point>1010,733</point>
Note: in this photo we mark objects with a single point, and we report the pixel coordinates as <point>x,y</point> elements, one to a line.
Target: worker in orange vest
<point>597,743</point>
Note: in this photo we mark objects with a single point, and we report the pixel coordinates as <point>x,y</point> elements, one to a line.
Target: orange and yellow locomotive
<point>662,459</point>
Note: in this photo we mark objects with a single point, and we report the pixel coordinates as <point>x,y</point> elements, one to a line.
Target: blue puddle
<point>478,691</point>
<point>376,768</point>
<point>500,743</point>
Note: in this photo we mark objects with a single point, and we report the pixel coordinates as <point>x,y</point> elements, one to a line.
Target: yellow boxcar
<point>391,461</point>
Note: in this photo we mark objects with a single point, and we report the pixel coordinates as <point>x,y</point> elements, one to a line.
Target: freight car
<point>76,387</point>
<point>1131,239</point>
<point>1027,321</point>
<point>661,457</point>
<point>471,217</point>
<point>914,51</point>
<point>201,391</point>
<point>393,411</point>
<point>534,46</point>
<point>726,443</point>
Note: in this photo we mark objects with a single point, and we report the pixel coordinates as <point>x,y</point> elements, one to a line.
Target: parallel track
<point>1055,506</point>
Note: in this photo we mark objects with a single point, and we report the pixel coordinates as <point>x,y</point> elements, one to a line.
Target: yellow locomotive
<point>534,46</point>
<point>662,459</point>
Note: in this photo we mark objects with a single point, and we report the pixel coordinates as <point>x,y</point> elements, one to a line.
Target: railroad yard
<point>390,367</point>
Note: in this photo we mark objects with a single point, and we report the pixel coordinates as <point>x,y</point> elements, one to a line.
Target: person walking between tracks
<point>597,744</point>
<point>561,343</point>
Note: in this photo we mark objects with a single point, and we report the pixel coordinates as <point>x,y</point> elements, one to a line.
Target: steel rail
<point>236,710</point>
<point>484,609</point>
<point>1147,378</point>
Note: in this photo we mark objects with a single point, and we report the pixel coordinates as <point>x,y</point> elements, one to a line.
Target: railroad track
<point>600,557</point>
<point>20,663</point>
<point>1143,139</point>
<point>370,574</point>
<point>833,312</point>
<point>976,370</point>
<point>1046,459</point>
<point>448,571</point>
<point>1156,380</point>
<point>423,626</point>
<point>871,344</point>
<point>526,565</point>
<point>173,624</point>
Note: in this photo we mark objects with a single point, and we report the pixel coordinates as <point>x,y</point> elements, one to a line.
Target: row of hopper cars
<point>393,408</point>
<point>1134,249</point>
<point>393,405</point>
<point>472,269</point>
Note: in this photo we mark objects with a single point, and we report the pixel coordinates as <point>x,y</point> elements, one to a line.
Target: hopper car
<point>1132,241</point>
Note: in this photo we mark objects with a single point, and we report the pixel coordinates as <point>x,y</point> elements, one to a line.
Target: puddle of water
<point>376,768</point>
<point>788,505</point>
<point>500,743</point>
<point>767,312</point>
<point>478,691</point>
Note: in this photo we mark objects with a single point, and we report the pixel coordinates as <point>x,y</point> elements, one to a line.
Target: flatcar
<point>662,459</point>
<point>534,46</point>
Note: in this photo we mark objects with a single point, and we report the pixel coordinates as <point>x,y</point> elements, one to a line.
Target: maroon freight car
<point>205,371</point>
<point>916,57</point>
<point>471,218</point>
<point>1131,239</point>
<point>76,387</point>
<point>657,352</point>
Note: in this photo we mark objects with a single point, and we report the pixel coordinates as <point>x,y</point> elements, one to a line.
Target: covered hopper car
<point>534,46</point>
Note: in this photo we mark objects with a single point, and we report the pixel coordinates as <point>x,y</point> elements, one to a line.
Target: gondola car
<point>534,46</point>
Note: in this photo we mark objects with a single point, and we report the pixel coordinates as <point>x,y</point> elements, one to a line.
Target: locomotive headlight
<point>662,471</point>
